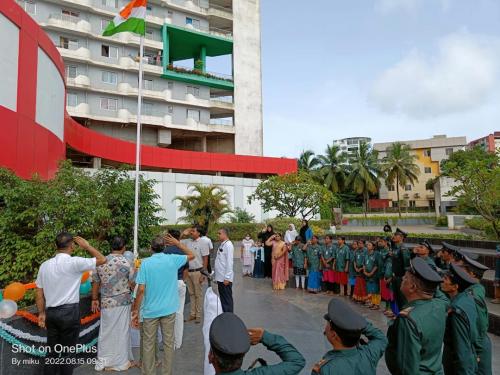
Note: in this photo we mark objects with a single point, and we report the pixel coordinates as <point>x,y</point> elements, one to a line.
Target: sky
<point>386,69</point>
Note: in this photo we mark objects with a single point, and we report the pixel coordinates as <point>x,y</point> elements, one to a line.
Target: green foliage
<point>442,221</point>
<point>204,205</point>
<point>477,174</point>
<point>307,161</point>
<point>96,207</point>
<point>483,225</point>
<point>292,194</point>
<point>242,216</point>
<point>333,168</point>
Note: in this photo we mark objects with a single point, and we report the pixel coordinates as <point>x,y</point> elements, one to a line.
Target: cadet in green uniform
<point>342,265</point>
<point>352,271</point>
<point>327,258</point>
<point>230,340</point>
<point>425,251</point>
<point>483,344</point>
<point>298,262</point>
<point>416,335</point>
<point>343,331</point>
<point>313,264</point>
<point>459,354</point>
<point>371,269</point>
<point>386,293</point>
<point>400,262</point>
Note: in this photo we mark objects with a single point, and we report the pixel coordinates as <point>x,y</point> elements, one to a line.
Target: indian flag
<point>131,18</point>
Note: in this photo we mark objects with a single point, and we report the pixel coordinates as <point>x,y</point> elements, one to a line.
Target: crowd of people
<point>435,304</point>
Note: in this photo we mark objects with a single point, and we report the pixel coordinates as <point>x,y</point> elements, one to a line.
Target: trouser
<point>179,315</point>
<point>194,289</point>
<point>398,296</point>
<point>63,329</point>
<point>226,296</point>
<point>268,266</point>
<point>298,279</point>
<point>149,342</point>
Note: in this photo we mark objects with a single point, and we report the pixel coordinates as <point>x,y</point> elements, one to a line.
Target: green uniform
<point>292,361</point>
<point>328,253</point>
<point>342,257</point>
<point>361,360</point>
<point>430,261</point>
<point>459,354</point>
<point>372,261</point>
<point>483,344</point>
<point>400,262</point>
<point>416,338</point>
<point>352,255</point>
<point>298,256</point>
<point>313,260</point>
<point>359,260</point>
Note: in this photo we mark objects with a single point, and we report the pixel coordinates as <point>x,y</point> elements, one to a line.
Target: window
<point>193,114</point>
<point>104,24</point>
<point>109,51</point>
<point>147,84</point>
<point>149,8</point>
<point>427,152</point>
<point>193,22</point>
<point>109,77</point>
<point>193,90</point>
<point>68,43</point>
<point>170,14</point>
<point>110,3</point>
<point>395,204</point>
<point>427,169</point>
<point>412,203</point>
<point>170,85</point>
<point>149,34</point>
<point>28,5</point>
<point>71,71</point>
<point>391,188</point>
<point>147,108</point>
<point>109,104</point>
<point>408,187</point>
<point>449,151</point>
<point>170,109</point>
<point>70,15</point>
<point>71,99</point>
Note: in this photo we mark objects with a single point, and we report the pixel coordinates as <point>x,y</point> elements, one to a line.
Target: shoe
<point>197,321</point>
<point>191,318</point>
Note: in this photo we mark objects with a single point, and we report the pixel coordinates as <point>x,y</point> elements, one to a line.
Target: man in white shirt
<point>200,251</point>
<point>224,270</point>
<point>58,299</point>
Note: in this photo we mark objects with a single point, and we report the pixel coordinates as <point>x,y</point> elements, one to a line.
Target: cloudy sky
<point>386,69</point>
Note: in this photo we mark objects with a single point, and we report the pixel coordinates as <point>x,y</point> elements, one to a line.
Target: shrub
<point>478,223</point>
<point>442,221</point>
<point>241,216</point>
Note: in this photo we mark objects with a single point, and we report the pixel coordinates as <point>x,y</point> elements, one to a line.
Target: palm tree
<point>308,162</point>
<point>204,205</point>
<point>365,171</point>
<point>333,166</point>
<point>399,167</point>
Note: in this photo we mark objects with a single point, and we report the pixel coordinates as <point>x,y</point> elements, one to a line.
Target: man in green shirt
<point>230,341</point>
<point>400,262</point>
<point>459,354</point>
<point>425,251</point>
<point>416,335</point>
<point>343,331</point>
<point>298,262</point>
<point>342,265</point>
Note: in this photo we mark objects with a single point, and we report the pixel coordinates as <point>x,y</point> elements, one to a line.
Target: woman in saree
<point>279,261</point>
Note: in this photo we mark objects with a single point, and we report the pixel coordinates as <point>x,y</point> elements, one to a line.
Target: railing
<point>210,30</point>
<point>222,8</point>
<point>184,70</point>
<point>65,17</point>
<point>221,121</point>
<point>224,99</point>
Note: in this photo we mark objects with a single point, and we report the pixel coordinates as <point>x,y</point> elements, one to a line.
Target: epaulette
<point>317,367</point>
<point>406,312</point>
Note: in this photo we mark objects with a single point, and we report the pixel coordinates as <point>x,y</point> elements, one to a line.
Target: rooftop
<point>434,142</point>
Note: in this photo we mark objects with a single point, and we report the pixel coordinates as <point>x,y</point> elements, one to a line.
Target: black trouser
<point>226,296</point>
<point>268,266</point>
<point>63,329</point>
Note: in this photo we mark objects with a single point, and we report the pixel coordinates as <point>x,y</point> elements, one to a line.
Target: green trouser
<point>149,342</point>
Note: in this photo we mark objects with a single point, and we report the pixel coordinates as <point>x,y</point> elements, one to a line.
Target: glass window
<point>408,187</point>
<point>110,3</point>
<point>109,103</point>
<point>109,51</point>
<point>395,204</point>
<point>193,22</point>
<point>449,151</point>
<point>71,71</point>
<point>428,170</point>
<point>147,84</point>
<point>194,114</point>
<point>71,99</point>
<point>68,43</point>
<point>427,152</point>
<point>147,108</point>
<point>193,90</point>
<point>28,5</point>
<point>170,109</point>
<point>109,77</point>
<point>391,188</point>
<point>170,85</point>
<point>412,203</point>
<point>149,8</point>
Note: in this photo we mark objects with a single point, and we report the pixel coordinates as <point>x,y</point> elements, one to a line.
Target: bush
<point>442,221</point>
<point>478,223</point>
<point>242,216</point>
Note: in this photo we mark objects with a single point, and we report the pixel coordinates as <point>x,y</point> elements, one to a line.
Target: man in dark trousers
<point>400,262</point>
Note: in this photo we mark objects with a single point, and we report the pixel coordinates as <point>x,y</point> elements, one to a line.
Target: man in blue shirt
<point>181,289</point>
<point>157,280</point>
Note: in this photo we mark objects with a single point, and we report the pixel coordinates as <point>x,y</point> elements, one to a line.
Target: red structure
<point>378,203</point>
<point>488,142</point>
<point>27,148</point>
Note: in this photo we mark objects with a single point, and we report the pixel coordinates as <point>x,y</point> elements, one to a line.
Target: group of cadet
<point>439,326</point>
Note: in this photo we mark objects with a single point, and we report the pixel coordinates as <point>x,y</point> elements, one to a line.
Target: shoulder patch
<point>317,367</point>
<point>406,312</point>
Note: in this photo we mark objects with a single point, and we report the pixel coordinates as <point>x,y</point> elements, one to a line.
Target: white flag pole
<point>138,152</point>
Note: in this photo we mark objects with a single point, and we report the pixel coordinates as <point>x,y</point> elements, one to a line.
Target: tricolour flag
<point>131,18</point>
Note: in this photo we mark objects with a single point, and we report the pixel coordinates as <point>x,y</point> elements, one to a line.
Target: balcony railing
<point>210,30</point>
<point>223,99</point>
<point>65,17</point>
<point>184,70</point>
<point>221,121</point>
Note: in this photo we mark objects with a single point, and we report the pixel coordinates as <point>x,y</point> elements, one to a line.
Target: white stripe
<point>137,12</point>
<point>28,336</point>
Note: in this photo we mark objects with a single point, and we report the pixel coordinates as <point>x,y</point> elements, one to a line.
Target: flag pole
<point>138,151</point>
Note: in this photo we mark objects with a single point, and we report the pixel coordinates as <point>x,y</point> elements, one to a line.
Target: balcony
<point>66,21</point>
<point>80,81</point>
<point>222,121</point>
<point>150,65</point>
<point>218,11</point>
<point>81,110</point>
<point>127,89</point>
<point>215,80</point>
<point>80,53</point>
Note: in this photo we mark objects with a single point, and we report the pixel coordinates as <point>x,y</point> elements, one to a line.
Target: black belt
<point>67,306</point>
<point>196,269</point>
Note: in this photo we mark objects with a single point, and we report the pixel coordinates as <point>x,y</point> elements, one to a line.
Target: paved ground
<point>293,314</point>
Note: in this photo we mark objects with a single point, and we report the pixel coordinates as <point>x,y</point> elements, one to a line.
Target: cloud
<point>407,6</point>
<point>460,77</point>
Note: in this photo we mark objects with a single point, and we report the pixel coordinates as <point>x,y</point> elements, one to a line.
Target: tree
<point>292,195</point>
<point>364,173</point>
<point>333,166</point>
<point>399,168</point>
<point>204,205</point>
<point>477,173</point>
<point>308,162</point>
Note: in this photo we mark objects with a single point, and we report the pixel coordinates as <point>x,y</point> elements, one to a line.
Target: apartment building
<point>351,145</point>
<point>490,143</point>
<point>429,154</point>
<point>185,106</point>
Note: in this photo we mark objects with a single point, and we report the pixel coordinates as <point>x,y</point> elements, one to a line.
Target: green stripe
<point>134,25</point>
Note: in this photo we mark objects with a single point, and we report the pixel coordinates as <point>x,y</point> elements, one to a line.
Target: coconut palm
<point>204,205</point>
<point>333,166</point>
<point>399,167</point>
<point>364,173</point>
<point>308,162</point>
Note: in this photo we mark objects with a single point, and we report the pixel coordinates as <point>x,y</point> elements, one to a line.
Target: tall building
<point>429,154</point>
<point>185,106</point>
<point>351,145</point>
<point>490,143</point>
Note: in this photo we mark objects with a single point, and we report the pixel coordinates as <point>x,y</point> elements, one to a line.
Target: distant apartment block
<point>429,154</point>
<point>490,143</point>
<point>351,145</point>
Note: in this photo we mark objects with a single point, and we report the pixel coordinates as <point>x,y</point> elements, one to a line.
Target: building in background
<point>429,154</point>
<point>185,106</point>
<point>490,143</point>
<point>351,145</point>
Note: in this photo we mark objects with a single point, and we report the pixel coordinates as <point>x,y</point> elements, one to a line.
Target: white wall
<point>9,55</point>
